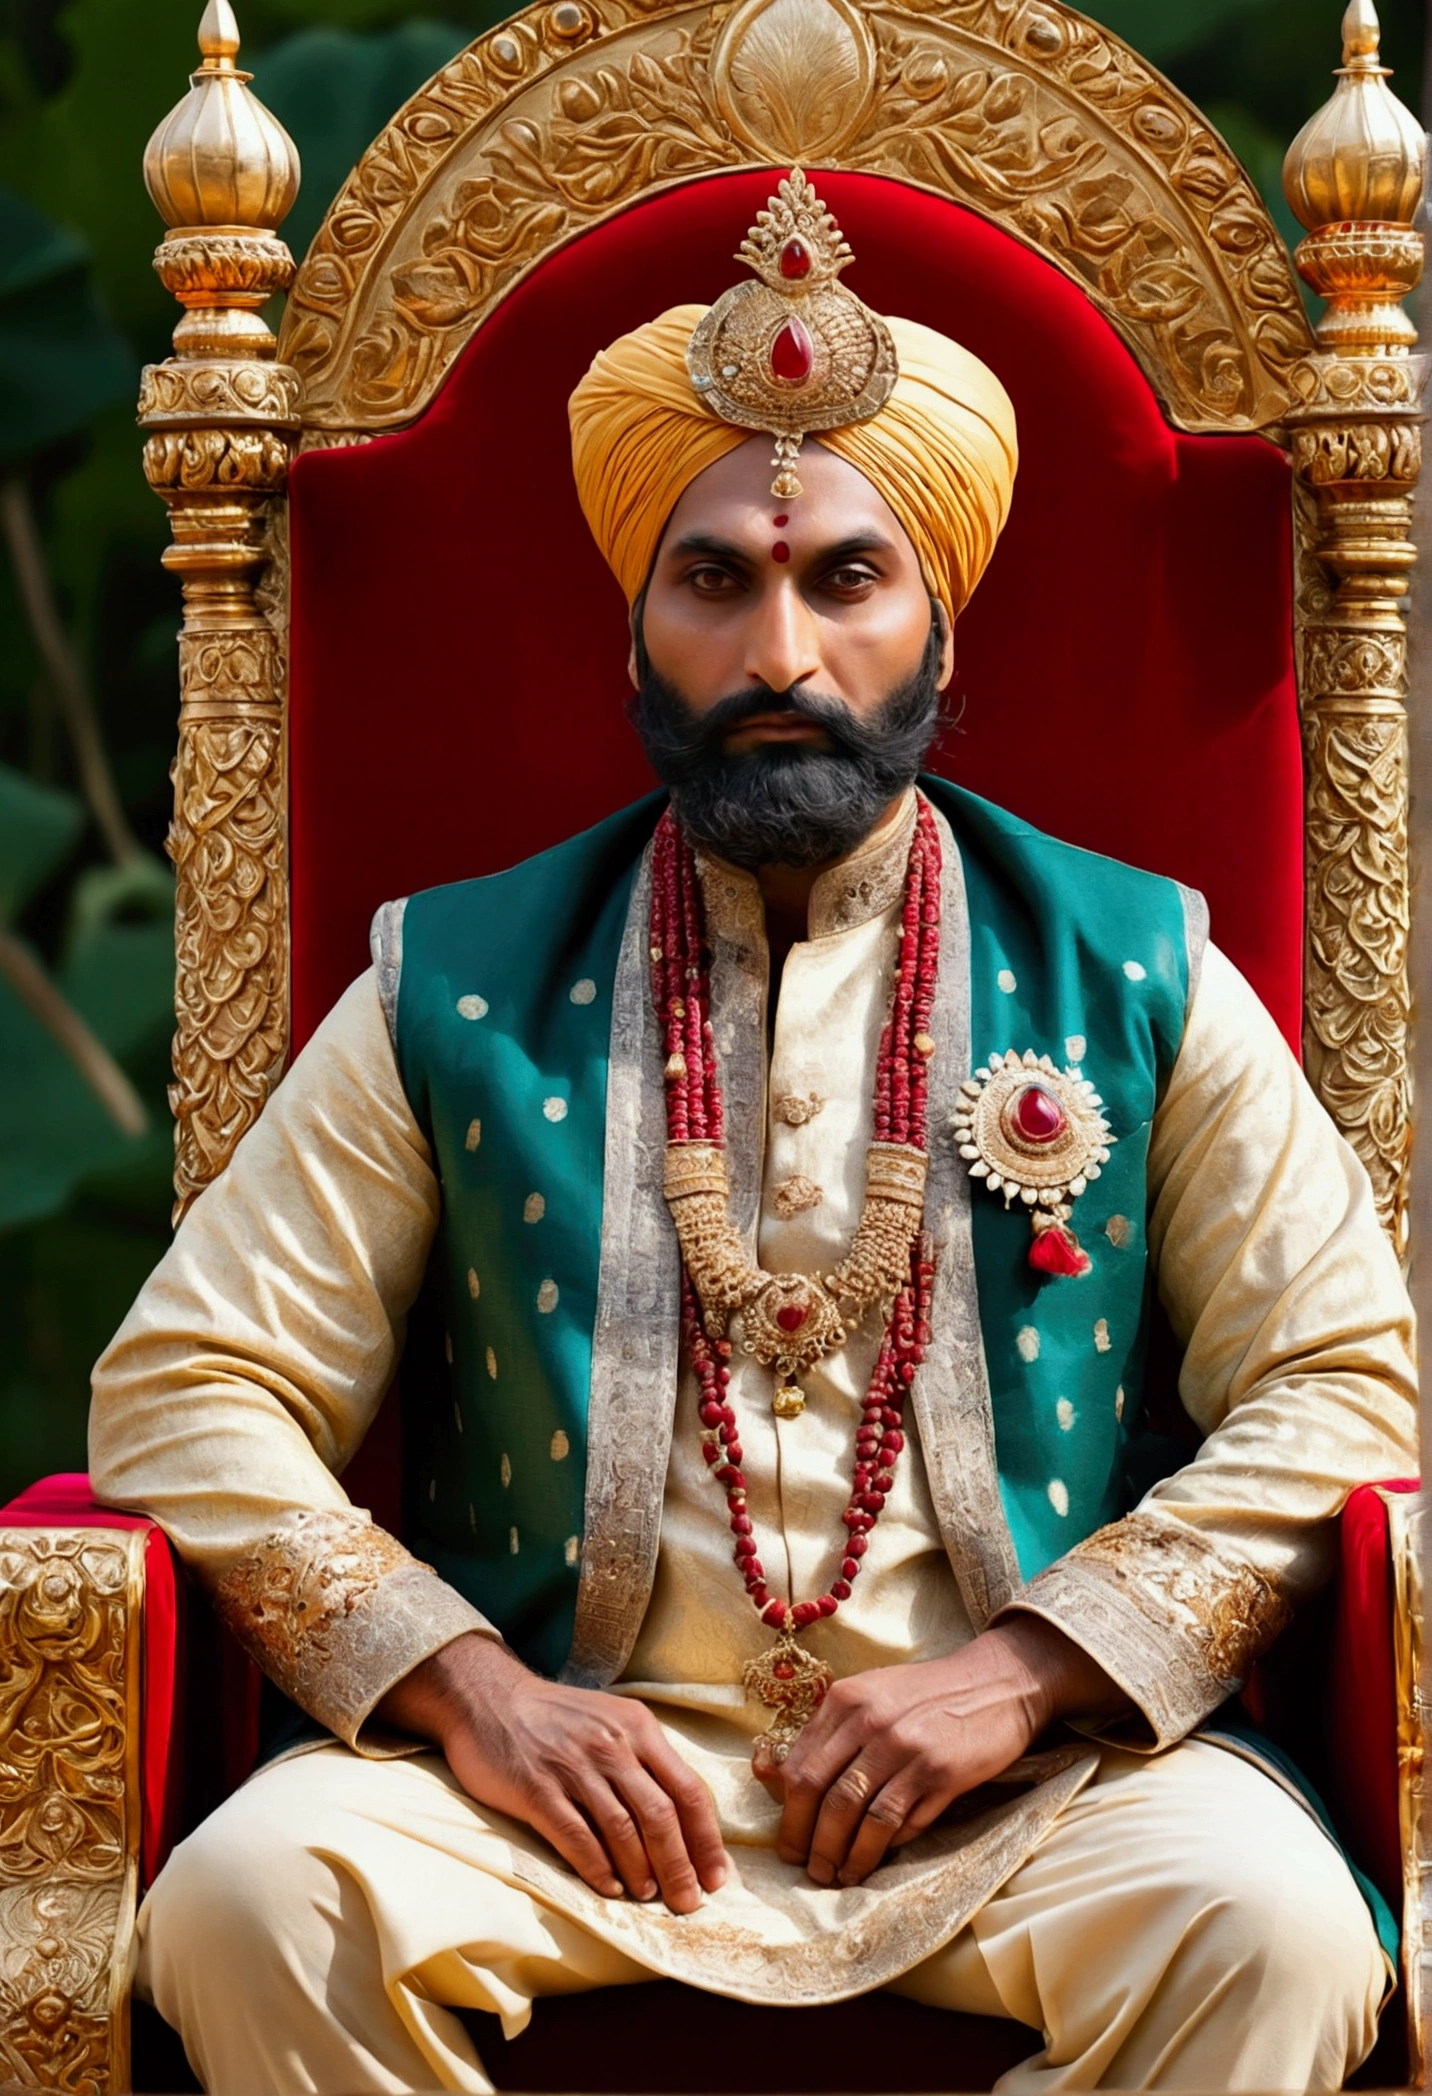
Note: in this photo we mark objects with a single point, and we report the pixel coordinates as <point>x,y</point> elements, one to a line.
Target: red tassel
<point>1056,1250</point>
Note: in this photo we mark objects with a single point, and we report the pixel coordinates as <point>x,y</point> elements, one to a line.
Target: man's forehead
<point>732,499</point>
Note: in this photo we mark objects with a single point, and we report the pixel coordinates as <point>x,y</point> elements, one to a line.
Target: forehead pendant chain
<point>791,1321</point>
<point>793,352</point>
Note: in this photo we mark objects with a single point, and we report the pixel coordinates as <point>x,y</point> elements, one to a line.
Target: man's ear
<point>636,663</point>
<point>947,644</point>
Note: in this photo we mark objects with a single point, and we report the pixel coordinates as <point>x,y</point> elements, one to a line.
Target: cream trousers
<point>1184,1925</point>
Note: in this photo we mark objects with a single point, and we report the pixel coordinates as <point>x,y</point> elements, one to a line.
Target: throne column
<point>222,417</point>
<point>1354,176</point>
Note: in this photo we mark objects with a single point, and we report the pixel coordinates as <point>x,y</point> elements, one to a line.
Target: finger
<point>808,1774</point>
<point>886,1817</point>
<point>664,1839</point>
<point>844,1806</point>
<point>557,1820</point>
<point>619,1834</point>
<point>699,1825</point>
<point>923,1815</point>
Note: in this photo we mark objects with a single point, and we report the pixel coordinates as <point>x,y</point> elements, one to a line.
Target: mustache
<point>678,739</point>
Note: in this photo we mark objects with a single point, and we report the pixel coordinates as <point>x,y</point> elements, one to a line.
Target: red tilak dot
<point>780,522</point>
<point>780,551</point>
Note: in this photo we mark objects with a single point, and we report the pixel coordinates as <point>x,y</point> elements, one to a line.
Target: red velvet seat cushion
<point>459,650</point>
<point>1362,1692</point>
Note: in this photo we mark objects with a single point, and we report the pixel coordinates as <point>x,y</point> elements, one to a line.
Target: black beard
<point>785,804</point>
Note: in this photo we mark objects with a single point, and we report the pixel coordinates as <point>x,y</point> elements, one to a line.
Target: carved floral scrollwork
<point>1356,1002</point>
<point>69,1828</point>
<point>1035,117</point>
<point>231,914</point>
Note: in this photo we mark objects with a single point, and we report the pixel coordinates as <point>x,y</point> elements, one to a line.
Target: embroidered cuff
<point>336,1612</point>
<point>1174,1622</point>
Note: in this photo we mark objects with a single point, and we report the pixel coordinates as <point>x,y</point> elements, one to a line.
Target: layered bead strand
<point>681,992</point>
<point>879,1442</point>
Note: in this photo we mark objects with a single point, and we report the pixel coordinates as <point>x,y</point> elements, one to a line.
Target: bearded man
<point>770,1181</point>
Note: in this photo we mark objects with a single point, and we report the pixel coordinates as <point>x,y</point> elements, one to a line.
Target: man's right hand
<point>593,1774</point>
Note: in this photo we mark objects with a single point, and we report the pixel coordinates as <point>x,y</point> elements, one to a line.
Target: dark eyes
<point>850,579</point>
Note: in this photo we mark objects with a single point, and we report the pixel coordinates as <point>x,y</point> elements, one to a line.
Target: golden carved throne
<point>355,510</point>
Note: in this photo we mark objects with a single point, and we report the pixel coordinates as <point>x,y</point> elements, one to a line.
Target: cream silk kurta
<point>257,1355</point>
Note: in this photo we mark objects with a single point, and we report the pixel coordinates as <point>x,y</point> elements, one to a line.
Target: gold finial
<point>1363,155</point>
<point>219,158</point>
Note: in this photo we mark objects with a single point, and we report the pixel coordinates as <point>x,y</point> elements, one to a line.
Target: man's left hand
<point>887,1751</point>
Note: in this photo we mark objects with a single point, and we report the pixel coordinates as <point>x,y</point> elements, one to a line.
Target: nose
<point>781,642</point>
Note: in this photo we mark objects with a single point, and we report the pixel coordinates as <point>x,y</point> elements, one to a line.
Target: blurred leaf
<point>78,154</point>
<point>1161,29</point>
<point>38,826</point>
<point>142,890</point>
<point>333,92</point>
<point>53,1130</point>
<point>60,359</point>
<point>120,978</point>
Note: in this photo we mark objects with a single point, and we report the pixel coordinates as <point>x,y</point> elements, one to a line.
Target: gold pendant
<point>788,1402</point>
<point>793,1684</point>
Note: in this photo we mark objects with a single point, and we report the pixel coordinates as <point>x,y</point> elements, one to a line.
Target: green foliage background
<point>83,1208</point>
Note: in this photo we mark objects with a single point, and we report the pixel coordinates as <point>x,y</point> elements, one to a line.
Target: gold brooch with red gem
<point>1036,1134</point>
<point>795,351</point>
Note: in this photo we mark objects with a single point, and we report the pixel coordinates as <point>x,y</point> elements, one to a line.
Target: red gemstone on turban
<point>1038,1115</point>
<point>791,1316</point>
<point>792,354</point>
<point>795,259</point>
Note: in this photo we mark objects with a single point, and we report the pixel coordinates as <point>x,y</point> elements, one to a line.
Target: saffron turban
<point>942,450</point>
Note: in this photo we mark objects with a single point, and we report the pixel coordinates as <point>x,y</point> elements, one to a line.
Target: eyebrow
<point>722,549</point>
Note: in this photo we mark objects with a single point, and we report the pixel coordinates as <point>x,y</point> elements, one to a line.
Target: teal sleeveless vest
<point>502,1029</point>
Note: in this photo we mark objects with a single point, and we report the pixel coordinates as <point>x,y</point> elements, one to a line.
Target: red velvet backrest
<point>459,649</point>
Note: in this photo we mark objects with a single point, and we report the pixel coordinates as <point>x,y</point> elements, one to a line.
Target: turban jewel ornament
<point>792,352</point>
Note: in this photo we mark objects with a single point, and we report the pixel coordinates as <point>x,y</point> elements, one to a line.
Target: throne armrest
<point>1374,1728</point>
<point>91,1683</point>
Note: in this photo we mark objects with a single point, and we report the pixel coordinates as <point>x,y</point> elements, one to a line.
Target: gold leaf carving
<point>231,925</point>
<point>1357,1006</point>
<point>1033,116</point>
<point>69,1803</point>
<point>793,78</point>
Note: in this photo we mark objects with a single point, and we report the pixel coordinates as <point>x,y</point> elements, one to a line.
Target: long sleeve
<point>1284,1293</point>
<point>256,1357</point>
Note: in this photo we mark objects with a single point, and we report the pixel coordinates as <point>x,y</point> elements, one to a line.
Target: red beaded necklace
<point>894,1262</point>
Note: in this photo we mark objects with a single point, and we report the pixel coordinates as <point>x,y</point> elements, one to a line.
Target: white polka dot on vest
<point>573,1549</point>
<point>1119,1402</point>
<point>512,1543</point>
<point>1064,1413</point>
<point>1135,970</point>
<point>474,1286</point>
<point>504,1471</point>
<point>561,1447</point>
<point>583,992</point>
<point>472,1007</point>
<point>1075,1047</point>
<point>474,1135</point>
<point>547,1297</point>
<point>1006,980</point>
<point>1026,1341</point>
<point>534,1208</point>
<point>1102,1341</point>
<point>492,1364</point>
<point>1059,1495</point>
<point>555,1109</point>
